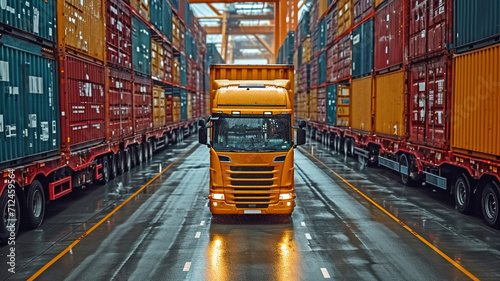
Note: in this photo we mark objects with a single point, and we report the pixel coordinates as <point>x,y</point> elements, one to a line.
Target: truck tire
<point>145,151</point>
<point>105,170</point>
<point>35,205</point>
<point>7,219</point>
<point>133,155</point>
<point>489,204</point>
<point>405,179</point>
<point>113,166</point>
<point>139,154</point>
<point>151,149</point>
<point>463,194</point>
<point>127,161</point>
<point>120,167</point>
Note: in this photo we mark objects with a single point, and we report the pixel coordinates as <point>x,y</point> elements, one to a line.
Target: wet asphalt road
<point>166,231</point>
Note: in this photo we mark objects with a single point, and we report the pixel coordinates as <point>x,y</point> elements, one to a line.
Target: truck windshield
<point>255,133</point>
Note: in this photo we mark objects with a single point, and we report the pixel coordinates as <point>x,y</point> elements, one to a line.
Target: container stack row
<point>405,83</point>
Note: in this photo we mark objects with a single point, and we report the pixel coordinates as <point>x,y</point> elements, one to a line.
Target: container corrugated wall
<point>29,102</point>
<point>343,105</point>
<point>390,104</point>
<point>143,103</point>
<point>118,34</point>
<point>362,9</point>
<point>161,17</point>
<point>159,117</point>
<point>344,10</point>
<point>474,22</point>
<point>476,100</point>
<point>120,104</point>
<point>389,31</point>
<point>32,16</point>
<point>362,49</point>
<point>141,7</point>
<point>361,104</point>
<point>141,46</point>
<point>83,26</point>
<point>331,104</point>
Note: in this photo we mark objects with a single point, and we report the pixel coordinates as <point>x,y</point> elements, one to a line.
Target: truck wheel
<point>463,195</point>
<point>113,166</point>
<point>127,161</point>
<point>151,150</point>
<point>489,204</point>
<point>105,170</point>
<point>120,163</point>
<point>403,161</point>
<point>35,205</point>
<point>133,155</point>
<point>139,154</point>
<point>10,215</point>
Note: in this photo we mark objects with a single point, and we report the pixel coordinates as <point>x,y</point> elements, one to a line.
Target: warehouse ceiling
<point>243,32</point>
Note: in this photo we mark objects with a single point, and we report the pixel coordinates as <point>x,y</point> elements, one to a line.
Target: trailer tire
<point>113,171</point>
<point>405,179</point>
<point>6,219</point>
<point>151,149</point>
<point>463,194</point>
<point>145,151</point>
<point>139,154</point>
<point>35,205</point>
<point>490,204</point>
<point>105,170</point>
<point>127,161</point>
<point>133,156</point>
<point>120,167</point>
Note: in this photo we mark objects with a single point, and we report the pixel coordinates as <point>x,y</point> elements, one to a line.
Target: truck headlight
<point>286,196</point>
<point>218,196</point>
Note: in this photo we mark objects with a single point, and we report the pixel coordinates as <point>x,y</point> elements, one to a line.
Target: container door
<point>331,103</point>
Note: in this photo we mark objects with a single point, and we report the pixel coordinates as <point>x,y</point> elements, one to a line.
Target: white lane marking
<point>202,223</point>
<point>187,266</point>
<point>303,223</point>
<point>325,273</point>
<point>198,234</point>
<point>308,236</point>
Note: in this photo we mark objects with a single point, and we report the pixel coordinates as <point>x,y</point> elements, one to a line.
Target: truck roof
<point>254,93</point>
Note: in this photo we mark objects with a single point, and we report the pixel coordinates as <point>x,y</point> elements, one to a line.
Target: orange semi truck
<point>251,139</point>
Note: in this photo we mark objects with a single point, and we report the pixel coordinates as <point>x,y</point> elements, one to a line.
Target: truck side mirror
<point>202,132</point>
<point>301,136</point>
<point>302,123</point>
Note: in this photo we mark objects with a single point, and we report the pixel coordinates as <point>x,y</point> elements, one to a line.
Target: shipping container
<point>29,107</point>
<point>378,2</point>
<point>321,105</point>
<point>176,32</point>
<point>304,78</point>
<point>161,17</point>
<point>343,64</point>
<point>190,104</point>
<point>475,118</point>
<point>313,104</point>
<point>362,9</point>
<point>314,73</point>
<point>322,68</point>
<point>476,23</point>
<point>120,104</point>
<point>331,104</point>
<point>141,7</point>
<point>81,27</point>
<point>390,27</point>
<point>184,104</point>
<point>362,49</point>
<point>82,102</point>
<point>306,51</point>
<point>322,35</point>
<point>143,103</point>
<point>344,10</point>
<point>169,61</point>
<point>430,92</point>
<point>141,46</point>
<point>157,60</point>
<point>332,58</point>
<point>361,104</point>
<point>159,117</point>
<point>343,105</point>
<point>31,16</point>
<point>118,34</point>
<point>183,70</point>
<point>314,16</point>
<point>175,4</point>
<point>323,6</point>
<point>169,105</point>
<point>302,102</point>
<point>331,25</point>
<point>176,70</point>
<point>390,110</point>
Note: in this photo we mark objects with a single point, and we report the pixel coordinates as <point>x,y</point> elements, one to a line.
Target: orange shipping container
<point>361,104</point>
<point>476,100</point>
<point>313,104</point>
<point>80,27</point>
<point>158,107</point>
<point>157,60</point>
<point>323,6</point>
<point>378,2</point>
<point>344,9</point>
<point>390,104</point>
<point>343,105</point>
<point>190,105</point>
<point>176,105</point>
<point>306,51</point>
<point>141,6</point>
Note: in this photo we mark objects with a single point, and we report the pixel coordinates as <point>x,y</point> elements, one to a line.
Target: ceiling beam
<point>245,29</point>
<point>264,43</point>
<point>214,9</point>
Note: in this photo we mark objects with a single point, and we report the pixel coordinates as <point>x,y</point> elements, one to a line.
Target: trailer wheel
<point>113,165</point>
<point>151,150</point>
<point>120,162</point>
<point>351,147</point>
<point>35,205</point>
<point>127,159</point>
<point>403,161</point>
<point>133,155</point>
<point>139,154</point>
<point>336,143</point>
<point>145,151</point>
<point>463,195</point>
<point>10,215</point>
<point>489,204</point>
<point>105,170</point>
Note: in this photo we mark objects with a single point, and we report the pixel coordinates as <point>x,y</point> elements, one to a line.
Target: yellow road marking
<point>465,271</point>
<point>50,263</point>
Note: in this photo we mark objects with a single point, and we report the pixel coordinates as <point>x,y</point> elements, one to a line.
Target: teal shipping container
<point>141,47</point>
<point>331,104</point>
<point>184,105</point>
<point>476,24</point>
<point>187,14</point>
<point>362,49</point>
<point>37,17</point>
<point>161,17</point>
<point>322,34</point>
<point>191,47</point>
<point>322,68</point>
<point>183,62</point>
<point>29,102</point>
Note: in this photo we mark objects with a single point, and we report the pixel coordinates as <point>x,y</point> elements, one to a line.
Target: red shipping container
<point>168,108</point>
<point>118,34</point>
<point>82,102</point>
<point>429,102</point>
<point>313,18</point>
<point>362,8</point>
<point>143,104</point>
<point>168,62</point>
<point>430,27</point>
<point>303,78</point>
<point>322,105</point>
<point>120,106</point>
<point>344,58</point>
<point>331,25</point>
<point>390,30</point>
<point>314,73</point>
<point>332,57</point>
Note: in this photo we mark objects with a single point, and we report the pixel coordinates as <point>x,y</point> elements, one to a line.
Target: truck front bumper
<point>220,207</point>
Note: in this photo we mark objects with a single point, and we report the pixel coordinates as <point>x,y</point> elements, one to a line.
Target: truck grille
<point>252,186</point>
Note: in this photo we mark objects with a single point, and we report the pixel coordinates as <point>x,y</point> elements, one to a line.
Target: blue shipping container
<point>141,47</point>
<point>362,49</point>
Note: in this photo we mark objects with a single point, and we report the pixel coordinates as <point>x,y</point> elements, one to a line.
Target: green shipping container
<point>362,49</point>
<point>476,23</point>
<point>29,102</point>
<point>184,104</point>
<point>322,68</point>
<point>331,104</point>
<point>141,47</point>
<point>183,62</point>
<point>322,34</point>
<point>161,17</point>
<point>37,17</point>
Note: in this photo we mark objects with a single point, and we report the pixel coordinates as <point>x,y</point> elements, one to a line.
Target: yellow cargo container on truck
<point>251,139</point>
